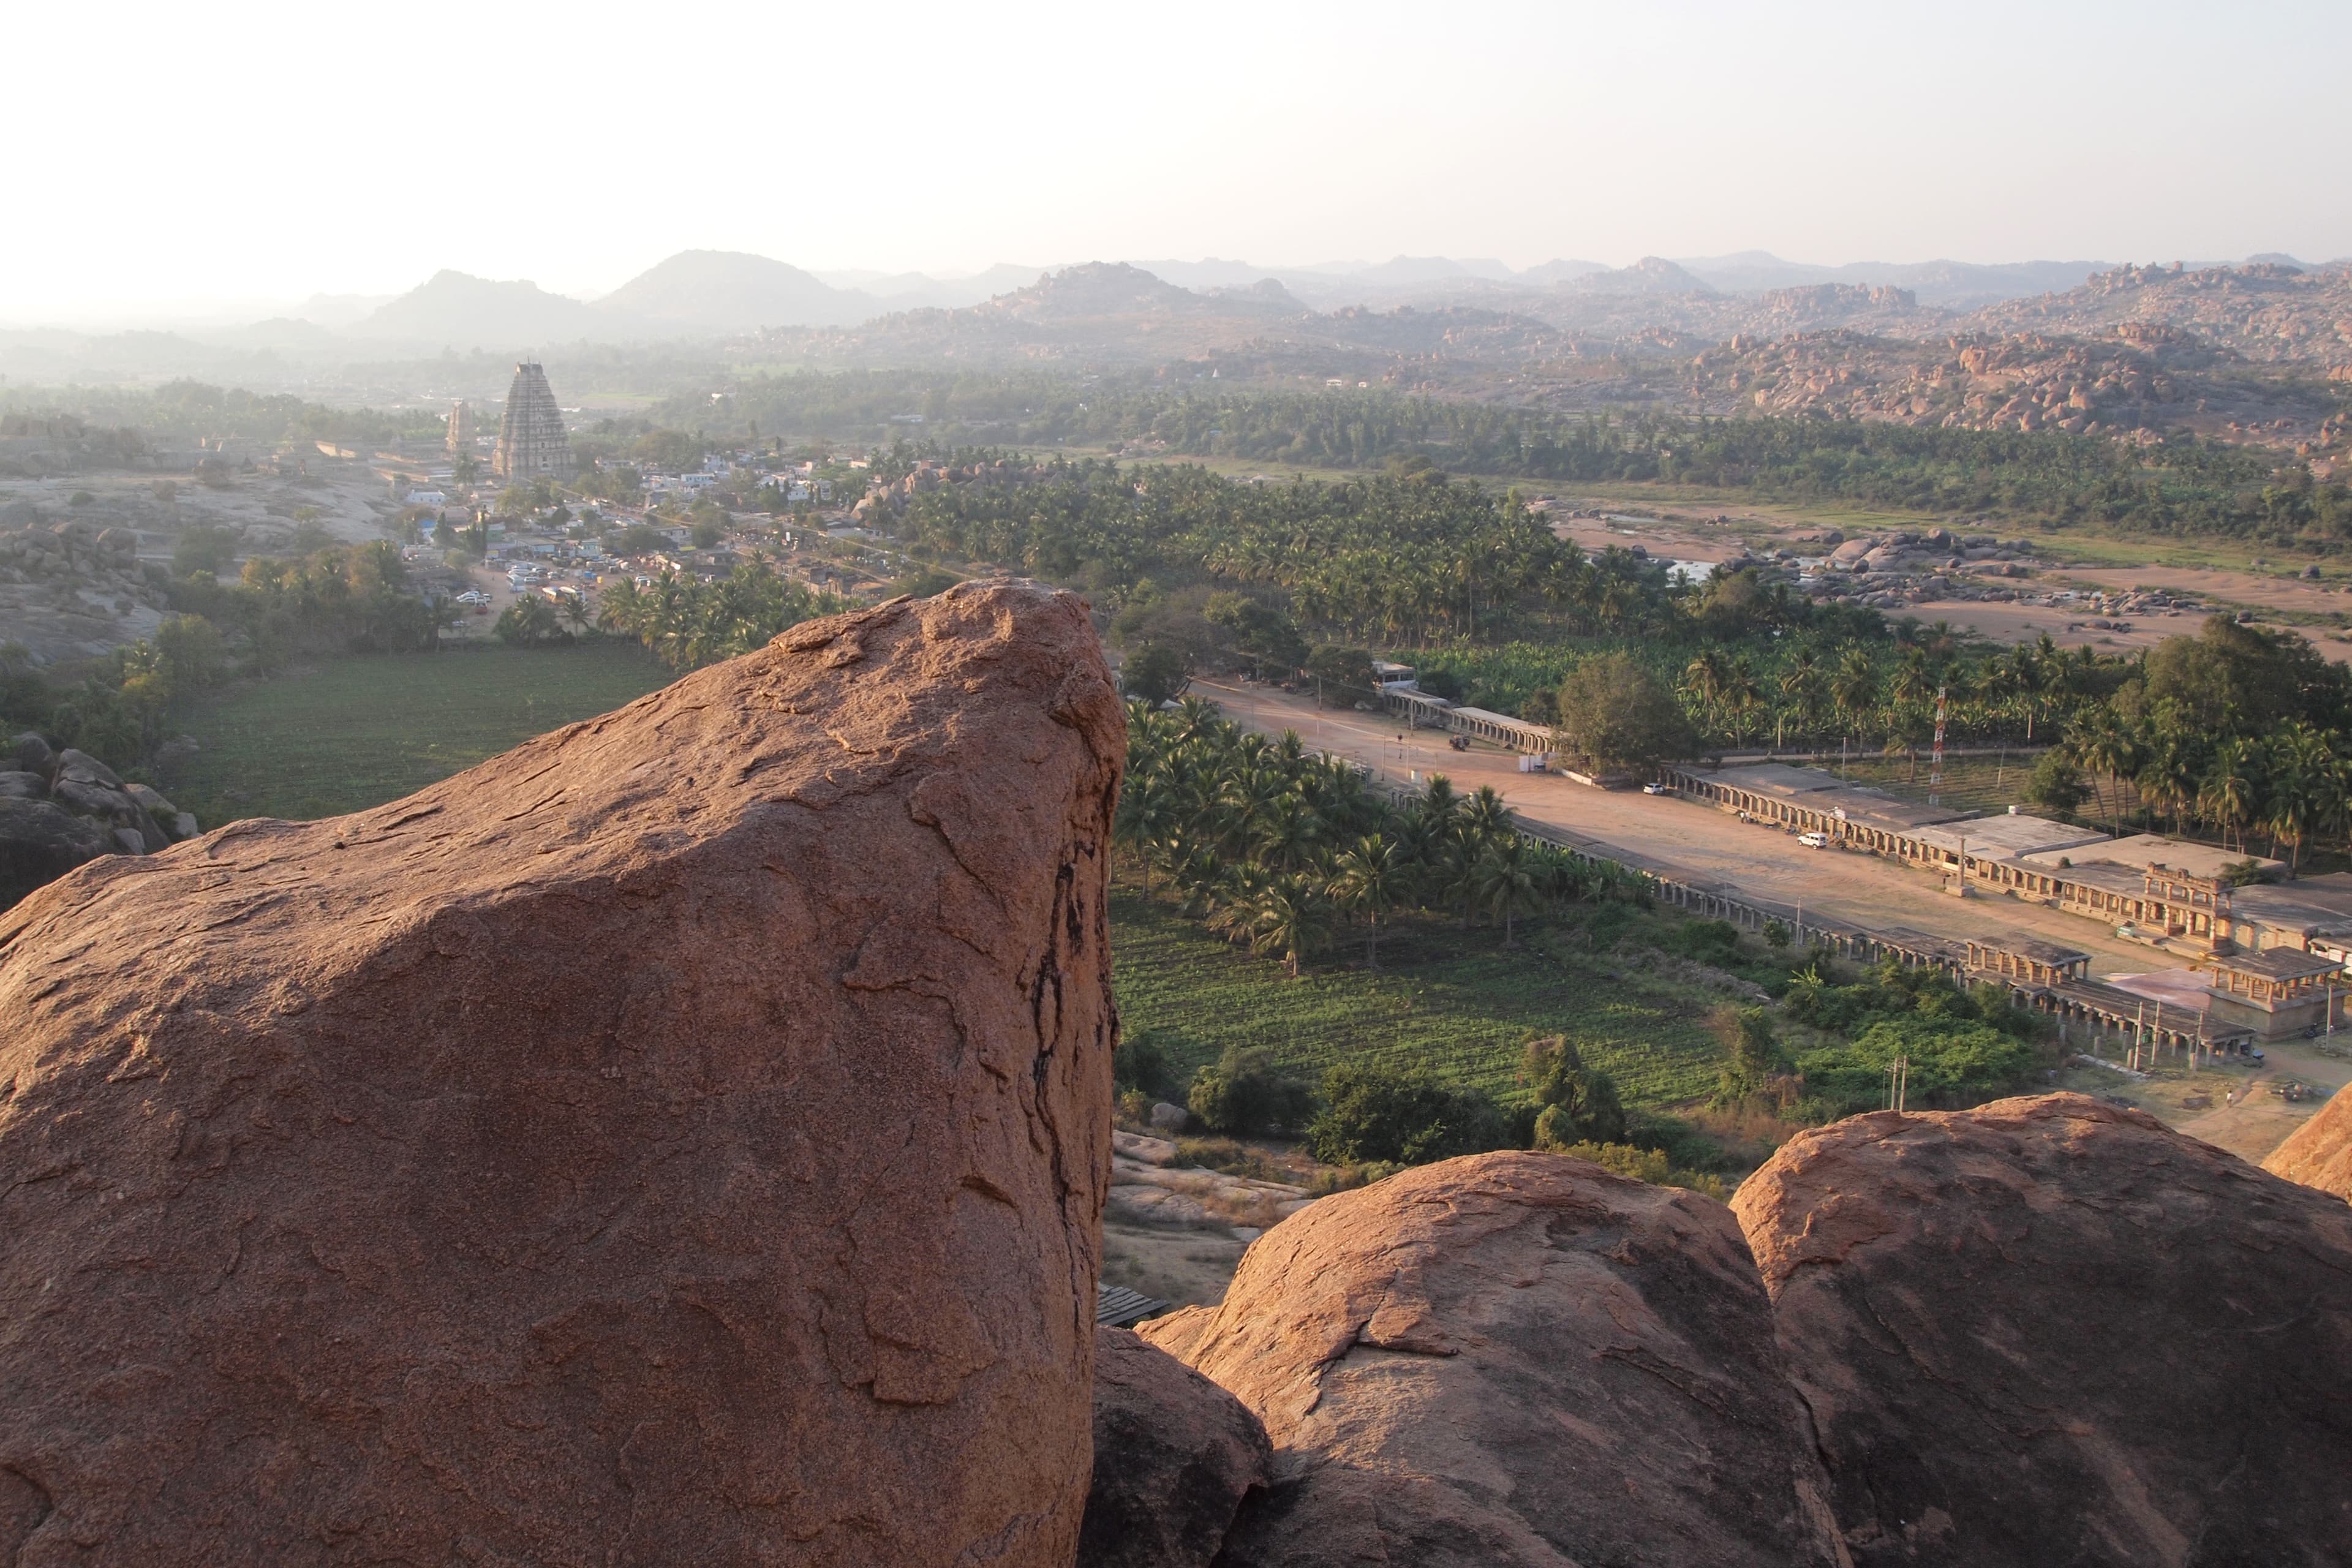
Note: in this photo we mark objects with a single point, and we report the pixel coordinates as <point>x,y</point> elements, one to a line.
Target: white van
<point>1814,840</point>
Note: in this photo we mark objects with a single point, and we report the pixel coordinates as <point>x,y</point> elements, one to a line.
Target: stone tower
<point>532,441</point>
<point>461,430</point>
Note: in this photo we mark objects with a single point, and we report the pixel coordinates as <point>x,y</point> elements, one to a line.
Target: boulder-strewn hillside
<point>2262,312</point>
<point>2137,378</point>
<point>680,1138</point>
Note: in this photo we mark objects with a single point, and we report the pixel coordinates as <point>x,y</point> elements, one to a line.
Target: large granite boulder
<point>41,841</point>
<point>2319,1152</point>
<point>1512,1358</point>
<point>2055,1330</point>
<point>88,812</point>
<point>1174,1457</point>
<point>679,1139</point>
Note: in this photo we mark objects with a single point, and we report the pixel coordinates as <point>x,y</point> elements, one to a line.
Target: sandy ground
<point>2238,588</point>
<point>1679,536</point>
<point>2244,1113</point>
<point>1183,1268</point>
<point>2012,622</point>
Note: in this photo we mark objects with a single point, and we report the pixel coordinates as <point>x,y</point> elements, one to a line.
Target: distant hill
<point>460,310</point>
<point>1962,284</point>
<point>711,292</point>
<point>1096,291</point>
<point>1559,270</point>
<point>1651,275</point>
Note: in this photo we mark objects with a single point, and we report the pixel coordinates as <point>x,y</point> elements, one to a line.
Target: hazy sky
<point>249,150</point>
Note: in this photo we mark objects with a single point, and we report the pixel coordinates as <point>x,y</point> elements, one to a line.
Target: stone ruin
<point>684,1138</point>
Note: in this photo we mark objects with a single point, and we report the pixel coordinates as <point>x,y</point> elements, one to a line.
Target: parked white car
<point>1814,840</point>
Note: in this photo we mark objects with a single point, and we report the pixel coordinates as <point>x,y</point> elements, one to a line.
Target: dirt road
<point>1696,841</point>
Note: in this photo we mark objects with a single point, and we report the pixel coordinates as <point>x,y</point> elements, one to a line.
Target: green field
<point>355,733</point>
<point>1453,1000</point>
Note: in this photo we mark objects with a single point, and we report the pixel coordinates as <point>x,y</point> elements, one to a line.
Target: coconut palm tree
<point>1703,678</point>
<point>1854,689</point>
<point>1503,883</point>
<point>1372,879</point>
<point>1287,915</point>
<point>1485,818</point>
<point>2231,789</point>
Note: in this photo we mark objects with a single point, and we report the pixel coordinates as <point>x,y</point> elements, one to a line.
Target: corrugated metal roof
<point>1117,1307</point>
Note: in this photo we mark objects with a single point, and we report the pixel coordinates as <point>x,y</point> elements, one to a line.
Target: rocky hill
<point>2137,378</point>
<point>2265,313</point>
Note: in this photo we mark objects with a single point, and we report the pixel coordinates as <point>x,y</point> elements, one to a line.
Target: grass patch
<point>1453,1000</point>
<point>354,732</point>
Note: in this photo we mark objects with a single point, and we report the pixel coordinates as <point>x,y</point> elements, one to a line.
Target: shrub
<point>1223,1155</point>
<point>1399,1114</point>
<point>1141,1065</point>
<point>1244,1097</point>
<point>1645,1165</point>
<point>1573,1103</point>
<point>1952,1063</point>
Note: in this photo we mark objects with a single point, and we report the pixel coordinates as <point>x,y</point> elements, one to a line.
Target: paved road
<point>1693,840</point>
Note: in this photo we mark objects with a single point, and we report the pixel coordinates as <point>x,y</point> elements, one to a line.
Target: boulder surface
<point>2055,1330</point>
<point>2319,1152</point>
<point>1512,1358</point>
<point>681,1139</point>
<point>1174,1457</point>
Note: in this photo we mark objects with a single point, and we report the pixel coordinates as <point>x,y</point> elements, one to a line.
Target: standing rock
<point>2319,1152</point>
<point>32,754</point>
<point>39,842</point>
<point>678,1140</point>
<point>1512,1358</point>
<point>1174,1457</point>
<point>2056,1330</point>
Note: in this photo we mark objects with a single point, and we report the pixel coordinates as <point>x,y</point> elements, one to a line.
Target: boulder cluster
<point>100,559</point>
<point>2046,1331</point>
<point>61,808</point>
<point>686,1139</point>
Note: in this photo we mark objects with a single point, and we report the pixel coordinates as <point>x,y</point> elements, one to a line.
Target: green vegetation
<point>688,624</point>
<point>1961,1047</point>
<point>2180,488</point>
<point>182,410</point>
<point>1446,999</point>
<point>354,732</point>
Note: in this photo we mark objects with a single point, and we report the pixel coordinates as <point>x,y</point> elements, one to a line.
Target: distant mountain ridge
<point>715,294</point>
<point>721,292</point>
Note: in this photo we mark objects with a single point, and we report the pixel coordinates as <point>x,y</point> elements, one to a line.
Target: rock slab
<point>1174,1457</point>
<point>2055,1330</point>
<point>2319,1152</point>
<point>679,1139</point>
<point>1512,1358</point>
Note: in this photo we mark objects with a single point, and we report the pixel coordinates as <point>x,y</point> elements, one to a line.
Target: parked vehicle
<point>1655,789</point>
<point>1814,840</point>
